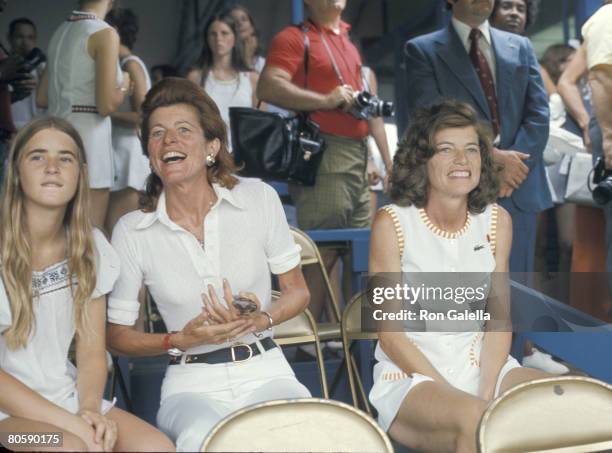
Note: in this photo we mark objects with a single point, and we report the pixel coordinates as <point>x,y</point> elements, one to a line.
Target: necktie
<point>485,76</point>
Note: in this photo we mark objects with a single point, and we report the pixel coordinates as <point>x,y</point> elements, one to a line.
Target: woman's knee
<point>467,424</point>
<point>72,442</point>
<point>156,441</point>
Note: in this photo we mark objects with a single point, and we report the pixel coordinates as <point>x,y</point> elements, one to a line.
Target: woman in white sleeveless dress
<point>222,71</point>
<point>56,271</point>
<point>131,165</point>
<point>83,84</point>
<point>432,386</point>
<point>250,37</point>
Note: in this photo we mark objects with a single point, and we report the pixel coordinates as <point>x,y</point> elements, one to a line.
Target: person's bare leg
<point>134,434</point>
<point>335,278</point>
<point>541,243</point>
<point>99,206</point>
<point>70,441</point>
<point>565,215</point>
<point>120,203</point>
<point>439,418</point>
<point>315,282</point>
<point>517,376</point>
<point>373,205</point>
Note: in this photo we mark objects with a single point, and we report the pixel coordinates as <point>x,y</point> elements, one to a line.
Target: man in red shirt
<point>340,196</point>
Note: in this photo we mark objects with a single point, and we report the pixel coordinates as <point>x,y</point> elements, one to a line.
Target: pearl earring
<point>210,160</point>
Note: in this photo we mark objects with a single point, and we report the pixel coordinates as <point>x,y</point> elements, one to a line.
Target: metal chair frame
<point>351,330</point>
<point>286,339</point>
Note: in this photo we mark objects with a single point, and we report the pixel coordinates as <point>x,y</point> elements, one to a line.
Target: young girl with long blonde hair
<point>56,270</point>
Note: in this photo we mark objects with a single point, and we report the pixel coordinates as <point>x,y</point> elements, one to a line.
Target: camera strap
<point>331,58</point>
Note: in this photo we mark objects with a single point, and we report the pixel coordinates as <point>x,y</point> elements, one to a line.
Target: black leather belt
<point>239,352</point>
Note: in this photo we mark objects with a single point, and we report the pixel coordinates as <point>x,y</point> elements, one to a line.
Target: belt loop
<point>260,346</point>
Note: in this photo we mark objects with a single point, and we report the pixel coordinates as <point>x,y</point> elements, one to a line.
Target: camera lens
<point>362,99</point>
<point>602,193</point>
<point>384,108</point>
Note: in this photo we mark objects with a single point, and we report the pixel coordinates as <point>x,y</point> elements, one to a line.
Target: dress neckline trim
<point>81,15</point>
<point>443,233</point>
<point>51,267</point>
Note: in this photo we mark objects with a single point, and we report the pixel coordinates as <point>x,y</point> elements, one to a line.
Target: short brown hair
<point>172,91</point>
<point>409,182</point>
<point>554,56</point>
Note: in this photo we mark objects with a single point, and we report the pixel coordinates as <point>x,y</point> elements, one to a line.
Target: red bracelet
<point>166,342</point>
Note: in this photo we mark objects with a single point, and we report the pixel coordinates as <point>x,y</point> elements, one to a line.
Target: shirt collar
<point>344,27</point>
<point>161,214</point>
<point>463,30</point>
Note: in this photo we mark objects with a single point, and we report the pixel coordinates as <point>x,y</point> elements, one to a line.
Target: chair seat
<point>293,329</point>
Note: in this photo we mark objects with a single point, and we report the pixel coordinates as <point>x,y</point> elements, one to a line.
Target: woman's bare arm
<point>497,341</point>
<point>385,258</point>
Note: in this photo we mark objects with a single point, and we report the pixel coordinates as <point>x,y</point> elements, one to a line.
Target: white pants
<point>197,396</point>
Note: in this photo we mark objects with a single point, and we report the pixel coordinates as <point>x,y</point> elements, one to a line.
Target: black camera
<point>368,105</point>
<point>32,60</point>
<point>602,178</point>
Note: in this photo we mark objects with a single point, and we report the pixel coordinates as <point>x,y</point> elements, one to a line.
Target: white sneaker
<point>333,344</point>
<point>544,362</point>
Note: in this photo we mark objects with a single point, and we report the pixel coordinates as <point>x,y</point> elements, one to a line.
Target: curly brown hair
<point>172,91</point>
<point>409,181</point>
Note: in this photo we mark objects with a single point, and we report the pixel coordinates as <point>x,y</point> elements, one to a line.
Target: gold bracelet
<point>270,321</point>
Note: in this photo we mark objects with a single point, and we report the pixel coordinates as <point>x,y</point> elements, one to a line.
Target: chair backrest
<point>310,255</point>
<point>569,413</point>
<point>302,329</point>
<point>350,327</point>
<point>306,424</point>
<point>351,319</point>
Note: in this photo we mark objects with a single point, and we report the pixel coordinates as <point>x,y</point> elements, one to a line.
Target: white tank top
<point>430,256</point>
<point>230,93</point>
<point>72,71</point>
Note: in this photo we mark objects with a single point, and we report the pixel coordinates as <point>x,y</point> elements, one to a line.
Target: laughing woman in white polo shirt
<point>203,236</point>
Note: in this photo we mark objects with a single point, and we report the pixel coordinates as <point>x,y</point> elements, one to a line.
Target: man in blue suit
<point>459,62</point>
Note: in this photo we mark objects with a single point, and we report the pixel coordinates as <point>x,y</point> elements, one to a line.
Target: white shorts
<point>195,397</point>
<point>131,166</point>
<point>391,385</point>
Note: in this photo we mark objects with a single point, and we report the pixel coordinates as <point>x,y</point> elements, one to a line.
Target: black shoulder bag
<point>272,147</point>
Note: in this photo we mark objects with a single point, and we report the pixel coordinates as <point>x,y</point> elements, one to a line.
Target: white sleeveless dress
<point>72,93</point>
<point>454,354</point>
<point>229,93</point>
<point>131,165</point>
<point>43,363</point>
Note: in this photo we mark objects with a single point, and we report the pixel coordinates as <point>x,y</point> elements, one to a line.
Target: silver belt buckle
<point>238,345</point>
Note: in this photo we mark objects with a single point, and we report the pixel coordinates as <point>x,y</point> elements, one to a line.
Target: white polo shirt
<point>246,236</point>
